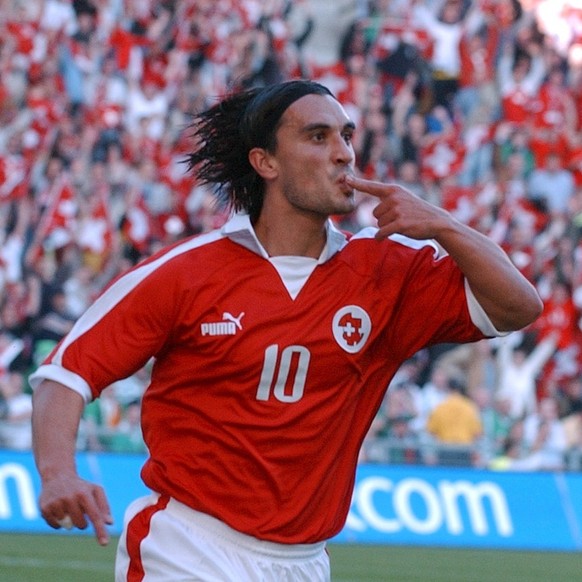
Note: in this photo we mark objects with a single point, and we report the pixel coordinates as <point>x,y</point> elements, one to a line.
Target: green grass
<point>416,564</point>
<point>73,558</point>
<point>52,558</point>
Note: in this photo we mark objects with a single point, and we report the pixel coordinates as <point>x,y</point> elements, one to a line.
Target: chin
<point>345,209</point>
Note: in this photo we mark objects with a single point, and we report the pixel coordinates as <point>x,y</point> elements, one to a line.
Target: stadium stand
<point>474,105</point>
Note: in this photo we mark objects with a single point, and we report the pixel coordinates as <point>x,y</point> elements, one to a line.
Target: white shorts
<point>165,541</point>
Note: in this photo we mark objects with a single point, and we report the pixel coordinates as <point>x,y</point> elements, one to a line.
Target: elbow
<point>522,314</point>
<point>532,311</point>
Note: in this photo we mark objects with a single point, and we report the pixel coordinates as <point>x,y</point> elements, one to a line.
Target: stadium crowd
<point>475,105</point>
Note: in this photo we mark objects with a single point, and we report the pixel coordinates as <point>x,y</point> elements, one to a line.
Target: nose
<point>343,151</point>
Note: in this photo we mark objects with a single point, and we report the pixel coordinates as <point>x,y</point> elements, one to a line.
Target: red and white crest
<point>351,328</point>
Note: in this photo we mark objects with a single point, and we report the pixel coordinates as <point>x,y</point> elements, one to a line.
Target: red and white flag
<point>95,228</point>
<point>442,158</point>
<point>13,177</point>
<point>137,224</point>
<point>57,223</point>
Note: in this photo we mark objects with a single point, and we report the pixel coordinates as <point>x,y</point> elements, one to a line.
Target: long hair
<point>225,134</point>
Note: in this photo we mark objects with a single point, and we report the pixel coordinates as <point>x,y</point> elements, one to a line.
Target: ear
<point>263,163</point>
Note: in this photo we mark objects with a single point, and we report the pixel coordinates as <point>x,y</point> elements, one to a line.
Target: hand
<point>69,501</point>
<point>401,211</point>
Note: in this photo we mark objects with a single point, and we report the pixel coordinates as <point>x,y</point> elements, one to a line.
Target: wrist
<point>56,471</point>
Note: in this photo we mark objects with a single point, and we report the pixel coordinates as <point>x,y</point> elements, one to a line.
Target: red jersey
<point>268,371</point>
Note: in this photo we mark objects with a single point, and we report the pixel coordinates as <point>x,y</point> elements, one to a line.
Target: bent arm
<point>507,297</point>
<point>56,414</point>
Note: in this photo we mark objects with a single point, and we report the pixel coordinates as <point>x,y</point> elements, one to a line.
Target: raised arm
<point>509,299</point>
<point>66,500</point>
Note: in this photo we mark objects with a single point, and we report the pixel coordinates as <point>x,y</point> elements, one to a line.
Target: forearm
<point>508,298</point>
<point>56,415</point>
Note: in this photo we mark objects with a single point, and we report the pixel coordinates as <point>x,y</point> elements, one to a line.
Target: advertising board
<point>409,505</point>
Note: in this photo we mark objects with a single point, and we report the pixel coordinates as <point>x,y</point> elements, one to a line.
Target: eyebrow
<point>315,126</point>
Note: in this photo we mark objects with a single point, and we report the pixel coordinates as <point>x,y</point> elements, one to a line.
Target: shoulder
<point>395,244</point>
<point>396,258</point>
<point>190,255</point>
<point>178,265</point>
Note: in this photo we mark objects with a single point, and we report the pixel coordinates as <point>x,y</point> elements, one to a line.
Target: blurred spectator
<point>568,395</point>
<point>478,149</point>
<point>555,107</point>
<point>489,418</point>
<point>10,348</point>
<point>131,389</point>
<point>572,425</point>
<point>456,424</point>
<point>446,28</point>
<point>408,175</point>
<point>477,76</point>
<point>49,329</point>
<point>552,184</point>
<point>560,316</point>
<point>15,422</point>
<point>394,434</point>
<point>101,419</point>
<point>544,439</point>
<point>519,76</point>
<point>404,444</point>
<point>401,402</point>
<point>518,371</point>
<point>79,56</point>
<point>432,393</point>
<point>514,149</point>
<point>511,450</point>
<point>375,158</point>
<point>466,103</point>
<point>412,136</point>
<point>126,436</point>
<point>80,290</point>
<point>501,424</point>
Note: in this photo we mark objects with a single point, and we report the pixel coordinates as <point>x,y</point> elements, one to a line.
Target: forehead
<point>314,110</point>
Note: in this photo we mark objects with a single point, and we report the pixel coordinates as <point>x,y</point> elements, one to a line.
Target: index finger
<point>371,187</point>
<point>100,517</point>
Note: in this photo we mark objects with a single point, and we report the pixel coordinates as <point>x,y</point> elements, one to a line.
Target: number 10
<point>270,365</point>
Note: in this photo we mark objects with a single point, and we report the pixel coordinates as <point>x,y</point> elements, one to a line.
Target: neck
<point>291,234</point>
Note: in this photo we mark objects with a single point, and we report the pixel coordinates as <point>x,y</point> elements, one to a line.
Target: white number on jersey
<point>281,367</point>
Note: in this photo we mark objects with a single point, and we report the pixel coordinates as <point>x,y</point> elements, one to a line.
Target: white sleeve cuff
<point>65,377</point>
<point>479,317</point>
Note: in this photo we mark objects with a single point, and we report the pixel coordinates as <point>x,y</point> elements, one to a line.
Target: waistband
<point>208,525</point>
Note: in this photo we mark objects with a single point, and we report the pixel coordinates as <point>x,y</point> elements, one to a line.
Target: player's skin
<point>311,176</point>
<point>308,178</point>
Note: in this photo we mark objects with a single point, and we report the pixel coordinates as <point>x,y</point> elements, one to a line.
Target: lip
<point>341,182</point>
<point>342,177</point>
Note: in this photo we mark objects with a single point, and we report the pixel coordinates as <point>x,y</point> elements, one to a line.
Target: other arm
<point>56,415</point>
<point>509,299</point>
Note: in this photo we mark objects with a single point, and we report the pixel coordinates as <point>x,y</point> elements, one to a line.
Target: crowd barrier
<point>406,505</point>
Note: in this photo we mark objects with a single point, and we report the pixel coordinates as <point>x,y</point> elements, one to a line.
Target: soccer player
<point>274,338</point>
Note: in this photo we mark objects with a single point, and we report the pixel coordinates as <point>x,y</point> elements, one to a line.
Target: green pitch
<point>72,558</point>
<point>416,564</point>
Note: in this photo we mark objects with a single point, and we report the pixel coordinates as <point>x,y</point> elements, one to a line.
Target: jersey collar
<point>240,230</point>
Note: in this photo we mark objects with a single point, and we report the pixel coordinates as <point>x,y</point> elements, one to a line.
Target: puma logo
<point>228,326</point>
<point>236,320</point>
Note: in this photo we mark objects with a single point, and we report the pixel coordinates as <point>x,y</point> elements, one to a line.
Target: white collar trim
<point>240,230</point>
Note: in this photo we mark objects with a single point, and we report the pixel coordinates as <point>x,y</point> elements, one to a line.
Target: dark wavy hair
<point>225,134</point>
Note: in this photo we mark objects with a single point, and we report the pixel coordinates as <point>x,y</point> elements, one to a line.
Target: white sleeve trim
<point>62,376</point>
<point>478,315</point>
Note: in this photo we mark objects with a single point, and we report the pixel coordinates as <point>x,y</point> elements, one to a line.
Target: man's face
<point>314,153</point>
